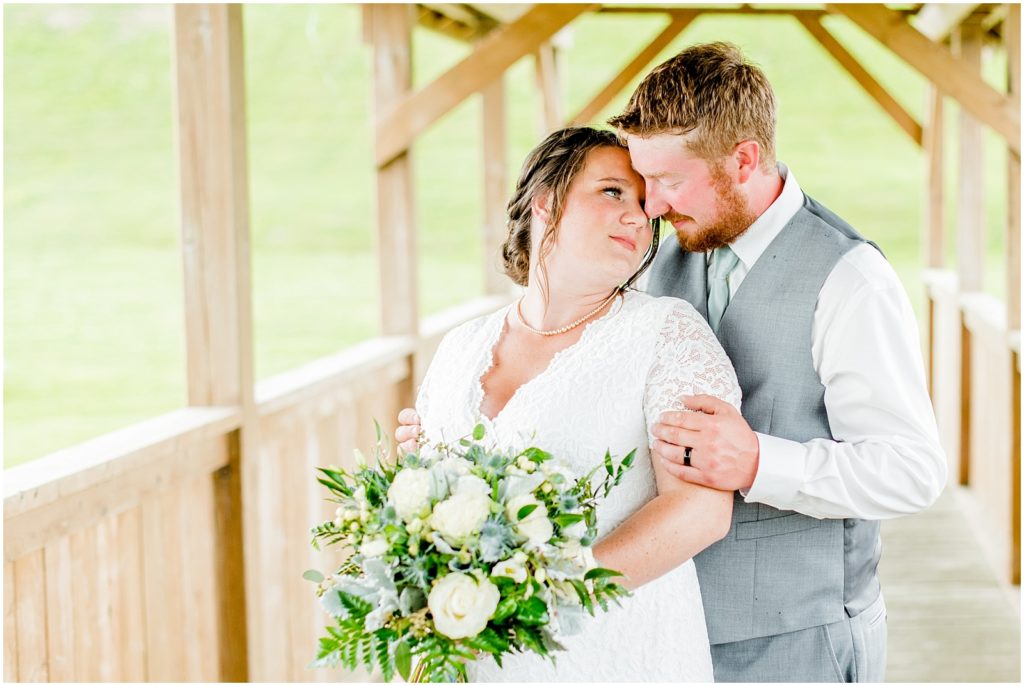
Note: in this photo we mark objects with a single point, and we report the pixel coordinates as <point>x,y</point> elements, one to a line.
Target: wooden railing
<point>974,338</point>
<point>114,550</point>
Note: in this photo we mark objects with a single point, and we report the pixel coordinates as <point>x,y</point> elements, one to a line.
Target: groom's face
<point>701,199</point>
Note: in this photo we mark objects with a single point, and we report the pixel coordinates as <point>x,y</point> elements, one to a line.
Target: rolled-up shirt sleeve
<point>885,459</point>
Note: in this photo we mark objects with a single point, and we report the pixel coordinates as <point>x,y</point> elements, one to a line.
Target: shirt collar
<point>755,240</point>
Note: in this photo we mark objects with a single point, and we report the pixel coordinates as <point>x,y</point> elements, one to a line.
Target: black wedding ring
<point>686,456</point>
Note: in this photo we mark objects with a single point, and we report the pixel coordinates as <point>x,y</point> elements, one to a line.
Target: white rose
<point>456,465</point>
<point>374,547</point>
<point>575,531</point>
<point>410,492</point>
<point>460,515</point>
<point>473,485</point>
<point>582,557</point>
<point>461,606</point>
<point>510,568</point>
<point>535,526</point>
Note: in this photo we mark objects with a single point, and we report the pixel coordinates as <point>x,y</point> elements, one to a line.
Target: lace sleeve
<point>688,360</point>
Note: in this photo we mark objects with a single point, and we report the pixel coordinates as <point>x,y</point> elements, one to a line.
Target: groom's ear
<point>747,155</point>
<point>541,206</point>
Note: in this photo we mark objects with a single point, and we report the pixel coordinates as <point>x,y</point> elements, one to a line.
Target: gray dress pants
<point>850,650</point>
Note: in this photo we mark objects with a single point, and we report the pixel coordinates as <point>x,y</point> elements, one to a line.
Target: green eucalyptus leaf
<point>478,432</point>
<point>600,573</point>
<point>564,520</point>
<point>313,575</point>
<point>525,511</point>
<point>506,608</point>
<point>627,461</point>
<point>533,611</point>
<point>403,659</point>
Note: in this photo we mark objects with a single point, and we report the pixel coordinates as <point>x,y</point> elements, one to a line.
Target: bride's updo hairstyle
<point>549,169</point>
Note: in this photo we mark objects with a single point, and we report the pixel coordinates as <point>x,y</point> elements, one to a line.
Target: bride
<point>582,364</point>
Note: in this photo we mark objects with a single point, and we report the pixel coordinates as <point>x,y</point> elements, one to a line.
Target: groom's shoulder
<point>816,212</point>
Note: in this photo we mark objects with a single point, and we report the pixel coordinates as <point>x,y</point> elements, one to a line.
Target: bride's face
<point>604,233</point>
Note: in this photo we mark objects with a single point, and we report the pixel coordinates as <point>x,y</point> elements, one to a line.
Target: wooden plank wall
<point>123,592</point>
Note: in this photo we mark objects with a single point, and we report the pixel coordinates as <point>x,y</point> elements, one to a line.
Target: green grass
<point>93,278</point>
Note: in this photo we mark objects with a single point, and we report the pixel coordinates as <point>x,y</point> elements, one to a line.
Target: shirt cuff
<point>780,471</point>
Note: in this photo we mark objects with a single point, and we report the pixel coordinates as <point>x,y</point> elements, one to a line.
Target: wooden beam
<point>435,21</point>
<point>209,73</point>
<point>970,225</point>
<point>461,22</point>
<point>407,117</point>
<point>710,9</point>
<point>506,13</point>
<point>952,77</point>
<point>495,185</point>
<point>549,84</point>
<point>679,22</point>
<point>391,31</point>
<point>938,21</point>
<point>874,89</point>
<point>996,17</point>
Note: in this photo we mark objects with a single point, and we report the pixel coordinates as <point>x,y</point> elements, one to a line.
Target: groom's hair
<point>711,91</point>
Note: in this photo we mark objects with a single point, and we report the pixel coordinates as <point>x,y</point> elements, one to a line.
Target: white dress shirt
<point>886,459</point>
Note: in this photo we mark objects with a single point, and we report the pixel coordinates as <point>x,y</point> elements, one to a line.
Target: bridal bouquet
<point>458,552</point>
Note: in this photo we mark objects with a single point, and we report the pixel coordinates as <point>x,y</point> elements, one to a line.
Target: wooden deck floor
<point>950,618</point>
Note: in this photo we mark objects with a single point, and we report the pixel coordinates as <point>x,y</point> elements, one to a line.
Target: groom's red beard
<point>733,219</point>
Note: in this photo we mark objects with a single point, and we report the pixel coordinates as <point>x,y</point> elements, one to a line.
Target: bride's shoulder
<point>660,308</point>
<point>467,331</point>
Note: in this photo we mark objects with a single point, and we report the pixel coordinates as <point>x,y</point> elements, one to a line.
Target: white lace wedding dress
<point>602,393</point>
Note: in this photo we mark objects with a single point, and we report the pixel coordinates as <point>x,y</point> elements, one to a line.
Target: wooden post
<point>967,44</point>
<point>209,72</point>
<point>495,186</point>
<point>390,29</point>
<point>934,209</point>
<point>1011,39</point>
<point>548,73</point>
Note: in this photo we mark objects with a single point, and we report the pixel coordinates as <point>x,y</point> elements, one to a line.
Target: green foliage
<point>395,565</point>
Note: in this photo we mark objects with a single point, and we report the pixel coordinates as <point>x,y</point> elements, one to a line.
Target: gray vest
<point>778,571</point>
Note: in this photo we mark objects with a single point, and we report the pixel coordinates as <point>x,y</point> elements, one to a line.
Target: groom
<point>836,432</point>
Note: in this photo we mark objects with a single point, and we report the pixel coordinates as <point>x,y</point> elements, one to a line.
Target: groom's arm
<point>886,459</point>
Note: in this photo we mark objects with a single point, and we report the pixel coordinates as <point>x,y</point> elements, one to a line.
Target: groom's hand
<point>724,450</point>
<point>408,430</point>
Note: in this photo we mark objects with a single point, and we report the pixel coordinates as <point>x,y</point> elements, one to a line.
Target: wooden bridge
<point>171,550</point>
<point>952,615</point>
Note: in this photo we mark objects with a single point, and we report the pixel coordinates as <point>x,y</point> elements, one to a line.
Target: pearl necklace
<point>567,327</point>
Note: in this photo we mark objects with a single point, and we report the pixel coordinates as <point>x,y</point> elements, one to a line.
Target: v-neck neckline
<point>495,337</point>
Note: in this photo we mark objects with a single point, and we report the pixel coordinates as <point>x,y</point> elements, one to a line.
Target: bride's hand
<point>408,430</point>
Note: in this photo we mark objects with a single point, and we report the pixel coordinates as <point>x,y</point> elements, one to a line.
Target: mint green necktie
<point>723,261</point>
